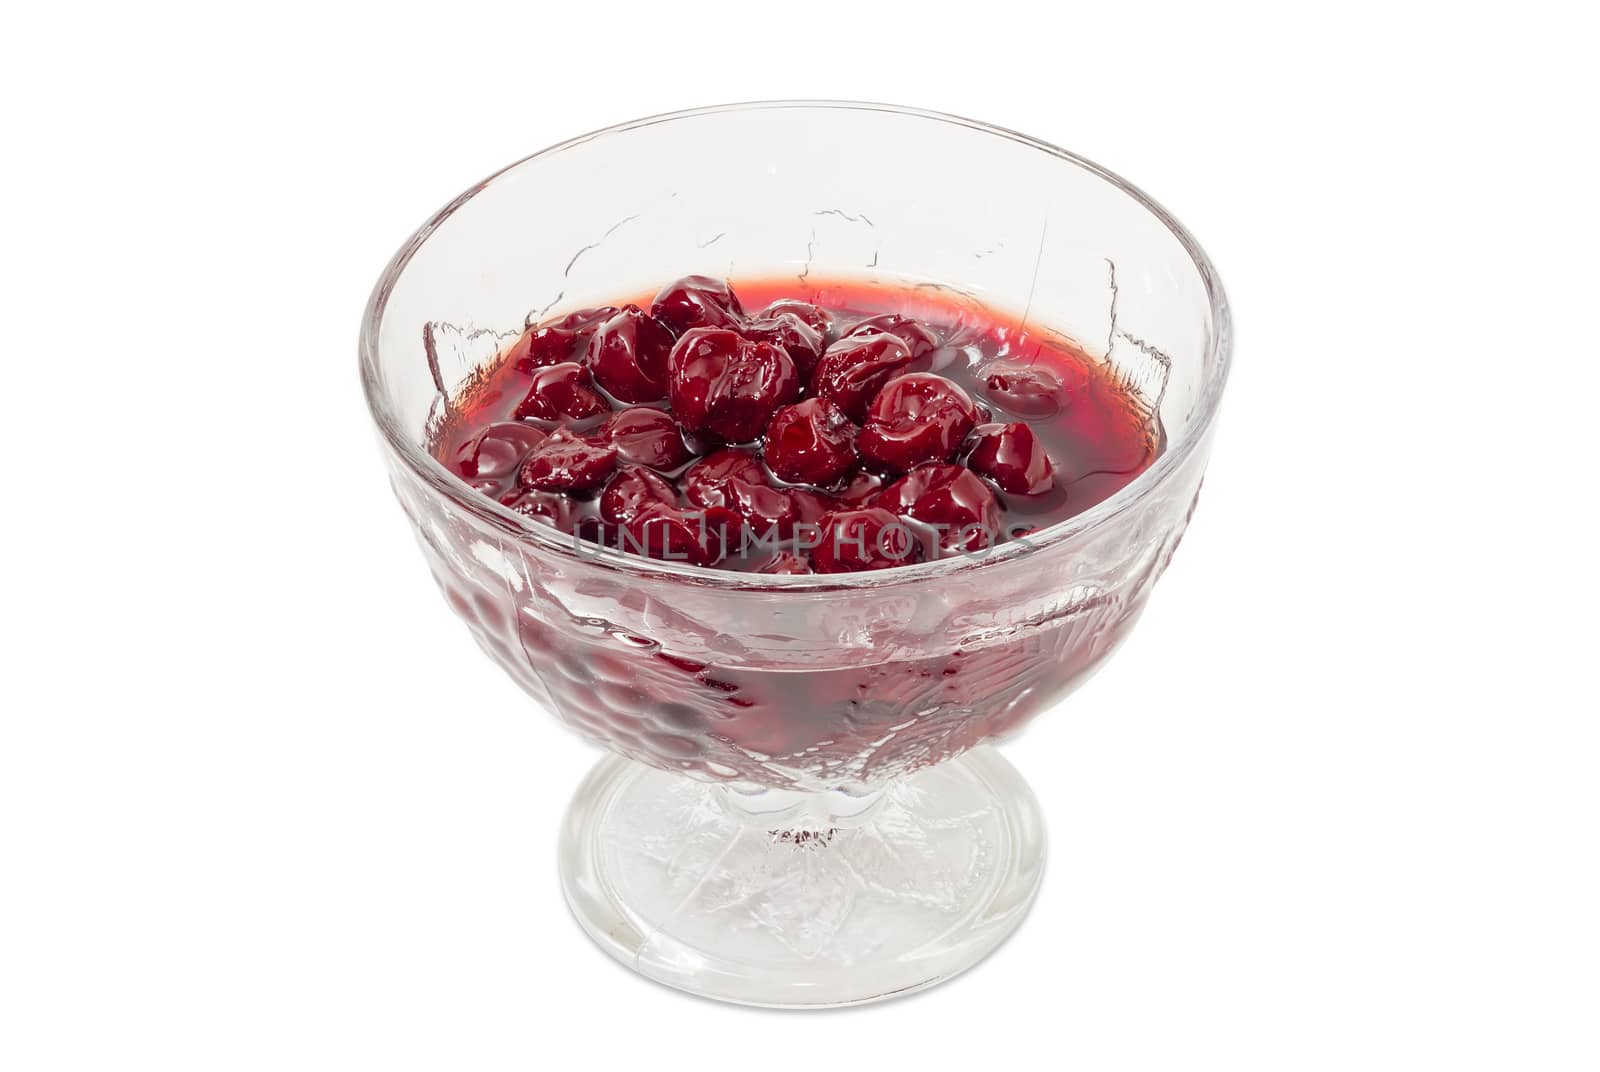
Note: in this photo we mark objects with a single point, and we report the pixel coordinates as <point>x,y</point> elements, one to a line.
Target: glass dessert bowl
<point>801,808</point>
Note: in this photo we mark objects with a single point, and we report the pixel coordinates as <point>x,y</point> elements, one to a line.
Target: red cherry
<point>663,532</point>
<point>585,320</point>
<point>645,436</point>
<point>630,491</point>
<point>1023,389</point>
<point>787,562</point>
<point>542,346</point>
<point>1012,456</point>
<point>628,356</point>
<point>701,537</point>
<point>562,392</point>
<point>766,512</point>
<point>811,442</point>
<point>697,301</point>
<point>961,507</point>
<point>557,340</point>
<point>723,384</point>
<point>698,360</point>
<point>916,418</point>
<point>498,450</point>
<point>866,539</point>
<point>814,316</point>
<point>802,342</point>
<point>854,368</point>
<point>567,462</point>
<point>920,339</point>
<point>705,482</point>
<point>734,480</point>
<point>552,509</point>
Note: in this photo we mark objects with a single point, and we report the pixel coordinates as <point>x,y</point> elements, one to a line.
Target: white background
<point>264,805</point>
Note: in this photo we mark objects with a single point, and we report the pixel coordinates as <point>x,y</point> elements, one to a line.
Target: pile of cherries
<point>696,432</point>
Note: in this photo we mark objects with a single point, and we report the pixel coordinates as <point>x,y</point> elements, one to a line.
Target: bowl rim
<point>1219,357</point>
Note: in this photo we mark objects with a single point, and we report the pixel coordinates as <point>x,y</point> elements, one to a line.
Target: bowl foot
<point>802,900</point>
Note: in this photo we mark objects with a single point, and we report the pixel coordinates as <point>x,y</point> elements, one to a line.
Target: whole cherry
<point>734,480</point>
<point>919,338</point>
<point>811,442</point>
<point>630,491</point>
<point>697,301</point>
<point>705,482</point>
<point>562,392</point>
<point>628,356</point>
<point>498,450</point>
<point>1012,456</point>
<point>952,500</point>
<point>766,513</point>
<point>698,537</point>
<point>1027,390</point>
<point>723,384</point>
<point>802,342</point>
<point>660,531</point>
<point>869,538</point>
<point>916,418</point>
<point>566,461</point>
<point>814,316</point>
<point>557,340</point>
<point>853,369</point>
<point>645,436</point>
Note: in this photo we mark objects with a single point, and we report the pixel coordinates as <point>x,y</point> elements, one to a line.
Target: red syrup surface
<point>812,410</point>
<point>1050,433</point>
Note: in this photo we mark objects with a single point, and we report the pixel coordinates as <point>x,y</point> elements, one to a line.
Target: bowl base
<point>802,900</point>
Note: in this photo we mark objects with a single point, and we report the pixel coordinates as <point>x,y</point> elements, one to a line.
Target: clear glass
<point>797,815</point>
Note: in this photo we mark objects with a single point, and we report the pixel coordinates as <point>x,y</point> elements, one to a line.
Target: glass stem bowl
<point>801,809</point>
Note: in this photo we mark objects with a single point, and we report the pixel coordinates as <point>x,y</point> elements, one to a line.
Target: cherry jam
<point>762,427</point>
